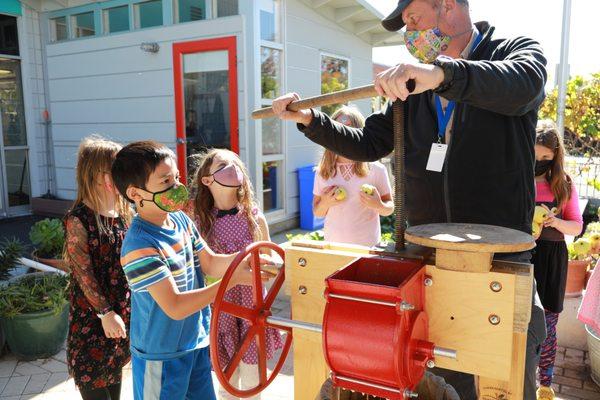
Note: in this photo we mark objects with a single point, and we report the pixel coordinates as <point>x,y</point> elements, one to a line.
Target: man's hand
<point>113,325</point>
<point>280,108</point>
<point>391,83</point>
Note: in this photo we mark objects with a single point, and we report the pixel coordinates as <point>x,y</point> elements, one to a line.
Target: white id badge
<point>437,155</point>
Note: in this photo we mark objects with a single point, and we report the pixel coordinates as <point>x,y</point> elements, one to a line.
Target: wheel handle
<point>256,316</point>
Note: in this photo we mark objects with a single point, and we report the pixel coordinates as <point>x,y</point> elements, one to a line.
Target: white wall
<point>34,97</point>
<point>108,85</point>
<point>307,36</point>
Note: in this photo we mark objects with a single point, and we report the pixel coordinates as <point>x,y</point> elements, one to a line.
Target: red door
<point>206,103</point>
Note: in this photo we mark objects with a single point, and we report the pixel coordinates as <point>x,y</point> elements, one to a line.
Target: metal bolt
<point>302,289</point>
<point>428,281</point>
<point>496,286</point>
<point>430,363</point>
<point>302,262</point>
<point>404,306</point>
<point>494,319</point>
<point>409,394</point>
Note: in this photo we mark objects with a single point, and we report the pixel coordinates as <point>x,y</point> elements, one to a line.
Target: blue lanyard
<point>443,118</point>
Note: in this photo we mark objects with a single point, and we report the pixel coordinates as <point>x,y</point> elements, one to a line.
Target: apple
<point>595,240</point>
<point>540,214</point>
<point>340,193</point>
<point>582,246</point>
<point>536,229</point>
<point>367,189</point>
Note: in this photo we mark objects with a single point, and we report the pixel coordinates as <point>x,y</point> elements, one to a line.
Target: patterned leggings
<point>548,353</point>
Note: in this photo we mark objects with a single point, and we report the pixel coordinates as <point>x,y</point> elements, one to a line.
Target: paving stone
<point>15,386</point>
<point>3,382</point>
<point>578,374</point>
<point>591,386</point>
<point>7,367</point>
<point>51,365</point>
<point>61,356</point>
<point>25,368</point>
<point>577,365</point>
<point>582,394</point>
<point>574,353</point>
<point>59,382</point>
<point>563,380</point>
<point>36,383</point>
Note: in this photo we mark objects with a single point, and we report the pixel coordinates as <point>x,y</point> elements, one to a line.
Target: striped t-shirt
<point>150,254</point>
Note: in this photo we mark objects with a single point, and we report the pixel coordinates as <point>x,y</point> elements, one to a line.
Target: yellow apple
<point>536,229</point>
<point>367,189</point>
<point>582,246</point>
<point>340,193</point>
<point>595,240</point>
<point>540,214</point>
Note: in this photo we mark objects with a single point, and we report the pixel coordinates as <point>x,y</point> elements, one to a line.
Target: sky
<point>537,19</point>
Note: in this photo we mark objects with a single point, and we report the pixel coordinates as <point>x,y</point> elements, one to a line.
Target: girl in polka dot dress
<point>229,220</point>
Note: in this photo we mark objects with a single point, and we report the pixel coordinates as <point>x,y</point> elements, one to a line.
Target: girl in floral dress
<point>97,344</point>
<point>228,219</point>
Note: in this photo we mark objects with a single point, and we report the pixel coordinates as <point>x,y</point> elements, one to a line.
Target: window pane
<point>17,177</point>
<point>272,187</point>
<point>116,19</point>
<point>148,14</point>
<point>226,8</point>
<point>270,72</point>
<point>9,42</point>
<point>83,25</point>
<point>58,28</point>
<point>271,135</point>
<point>191,10</point>
<point>269,20</point>
<point>206,100</point>
<point>11,104</point>
<point>334,77</point>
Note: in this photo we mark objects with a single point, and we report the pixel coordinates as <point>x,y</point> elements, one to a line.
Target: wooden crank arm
<point>343,96</point>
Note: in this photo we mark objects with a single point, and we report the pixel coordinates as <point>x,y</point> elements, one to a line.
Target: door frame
<point>228,43</point>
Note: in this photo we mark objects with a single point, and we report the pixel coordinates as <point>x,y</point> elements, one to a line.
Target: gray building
<point>187,73</point>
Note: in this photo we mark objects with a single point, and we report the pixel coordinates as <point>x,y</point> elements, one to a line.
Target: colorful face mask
<point>228,176</point>
<point>170,200</point>
<point>426,45</point>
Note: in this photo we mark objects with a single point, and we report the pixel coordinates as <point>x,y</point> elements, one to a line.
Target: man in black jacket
<point>470,126</point>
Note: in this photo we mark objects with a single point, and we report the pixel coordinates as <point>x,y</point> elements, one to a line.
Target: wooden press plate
<point>470,237</point>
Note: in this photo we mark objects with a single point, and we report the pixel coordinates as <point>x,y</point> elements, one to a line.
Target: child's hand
<point>243,274</point>
<point>113,326</point>
<point>372,201</point>
<point>328,197</point>
<point>551,220</point>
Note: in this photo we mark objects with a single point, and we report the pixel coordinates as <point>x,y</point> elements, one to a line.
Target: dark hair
<point>135,163</point>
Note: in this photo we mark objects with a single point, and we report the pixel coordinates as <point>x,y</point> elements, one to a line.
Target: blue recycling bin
<point>306,181</point>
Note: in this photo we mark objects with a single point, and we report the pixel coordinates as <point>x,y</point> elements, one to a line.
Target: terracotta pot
<point>57,263</point>
<point>576,277</point>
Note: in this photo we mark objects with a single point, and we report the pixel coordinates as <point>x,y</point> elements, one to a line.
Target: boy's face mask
<point>228,176</point>
<point>172,199</point>
<point>426,45</point>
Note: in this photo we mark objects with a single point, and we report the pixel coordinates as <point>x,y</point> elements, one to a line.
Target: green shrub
<point>48,237</point>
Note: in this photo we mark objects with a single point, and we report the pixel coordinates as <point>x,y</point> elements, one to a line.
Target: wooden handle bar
<point>343,96</point>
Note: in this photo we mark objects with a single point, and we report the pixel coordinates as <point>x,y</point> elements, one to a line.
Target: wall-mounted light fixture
<point>150,47</point>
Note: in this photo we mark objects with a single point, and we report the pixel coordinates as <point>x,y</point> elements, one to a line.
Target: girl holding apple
<point>556,195</point>
<point>351,195</point>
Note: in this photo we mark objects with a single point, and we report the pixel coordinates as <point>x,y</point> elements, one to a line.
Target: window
<point>83,25</point>
<point>271,136</point>
<point>334,77</point>
<point>190,10</point>
<point>272,177</point>
<point>148,14</point>
<point>58,29</point>
<point>270,72</point>
<point>9,42</point>
<point>226,8</point>
<point>116,19</point>
<point>269,20</point>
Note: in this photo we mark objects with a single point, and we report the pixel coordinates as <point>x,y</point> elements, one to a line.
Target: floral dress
<point>230,233</point>
<point>98,285</point>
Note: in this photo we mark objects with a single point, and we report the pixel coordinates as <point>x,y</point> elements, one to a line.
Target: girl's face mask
<point>172,199</point>
<point>542,166</point>
<point>229,176</point>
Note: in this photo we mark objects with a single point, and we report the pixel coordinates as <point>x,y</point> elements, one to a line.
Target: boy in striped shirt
<point>165,259</point>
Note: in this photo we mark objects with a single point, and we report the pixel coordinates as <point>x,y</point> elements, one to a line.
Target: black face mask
<point>542,166</point>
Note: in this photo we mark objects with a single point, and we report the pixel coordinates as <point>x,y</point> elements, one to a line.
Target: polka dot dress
<point>230,234</point>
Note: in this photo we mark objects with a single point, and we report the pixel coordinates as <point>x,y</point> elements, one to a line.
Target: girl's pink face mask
<point>229,176</point>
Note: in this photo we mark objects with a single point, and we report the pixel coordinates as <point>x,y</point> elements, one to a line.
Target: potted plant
<point>11,249</point>
<point>34,314</point>
<point>48,237</point>
<point>579,252</point>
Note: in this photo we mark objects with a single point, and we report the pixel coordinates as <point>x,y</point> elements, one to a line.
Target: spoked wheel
<point>256,317</point>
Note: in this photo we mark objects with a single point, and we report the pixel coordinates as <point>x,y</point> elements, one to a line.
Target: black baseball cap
<point>393,22</point>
